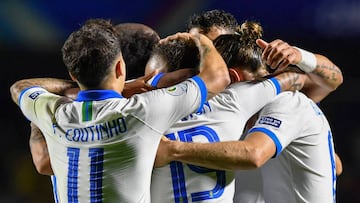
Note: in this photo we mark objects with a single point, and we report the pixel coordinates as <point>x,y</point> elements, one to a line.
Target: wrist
<point>308,61</point>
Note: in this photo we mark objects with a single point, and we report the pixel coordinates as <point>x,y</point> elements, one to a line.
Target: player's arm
<point>213,70</point>
<point>138,85</point>
<point>324,75</point>
<point>338,163</point>
<point>57,86</point>
<point>39,151</point>
<point>251,153</point>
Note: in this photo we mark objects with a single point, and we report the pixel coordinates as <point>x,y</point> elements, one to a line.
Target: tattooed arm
<point>38,146</point>
<point>291,81</point>
<point>324,75</point>
<point>39,151</point>
<point>324,79</point>
<point>56,86</point>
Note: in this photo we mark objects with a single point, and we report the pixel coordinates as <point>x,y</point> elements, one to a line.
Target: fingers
<point>278,54</point>
<point>180,35</point>
<point>150,75</point>
<point>261,43</point>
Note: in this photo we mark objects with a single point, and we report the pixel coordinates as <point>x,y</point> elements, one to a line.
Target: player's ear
<point>118,69</point>
<point>72,77</point>
<point>235,75</point>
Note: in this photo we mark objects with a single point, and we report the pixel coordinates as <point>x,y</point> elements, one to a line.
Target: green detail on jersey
<point>171,89</point>
<point>87,111</point>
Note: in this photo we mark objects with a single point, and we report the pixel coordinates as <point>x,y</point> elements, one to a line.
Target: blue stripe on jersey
<point>177,178</point>
<point>203,90</point>
<point>276,84</point>
<point>23,92</point>
<point>333,165</point>
<point>156,79</point>
<point>96,174</point>
<point>272,136</point>
<point>55,193</point>
<point>97,95</point>
<point>73,167</point>
<point>178,182</point>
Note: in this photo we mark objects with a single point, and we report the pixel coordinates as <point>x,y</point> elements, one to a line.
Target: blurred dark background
<point>32,33</point>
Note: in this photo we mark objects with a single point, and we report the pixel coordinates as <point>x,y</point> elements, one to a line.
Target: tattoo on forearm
<point>327,72</point>
<point>294,82</point>
<point>291,81</point>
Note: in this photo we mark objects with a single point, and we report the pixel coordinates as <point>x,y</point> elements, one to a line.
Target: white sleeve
<point>281,120</point>
<point>38,105</point>
<point>161,108</point>
<point>252,96</point>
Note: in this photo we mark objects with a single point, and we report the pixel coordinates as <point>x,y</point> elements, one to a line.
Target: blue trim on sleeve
<point>276,84</point>
<point>272,136</point>
<point>203,90</point>
<point>23,92</point>
<point>156,79</point>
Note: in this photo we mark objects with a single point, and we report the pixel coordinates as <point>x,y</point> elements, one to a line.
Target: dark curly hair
<point>136,42</point>
<point>178,54</point>
<point>208,19</point>
<point>89,52</point>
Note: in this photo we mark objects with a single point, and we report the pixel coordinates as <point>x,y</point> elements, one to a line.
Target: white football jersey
<point>102,146</point>
<point>222,118</point>
<point>303,169</point>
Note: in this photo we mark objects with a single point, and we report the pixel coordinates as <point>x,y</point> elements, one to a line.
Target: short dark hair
<point>89,52</point>
<point>241,50</point>
<point>178,54</point>
<point>136,42</point>
<point>208,19</point>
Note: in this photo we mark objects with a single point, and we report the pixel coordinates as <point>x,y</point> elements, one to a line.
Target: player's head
<point>136,42</point>
<point>241,53</point>
<point>92,52</point>
<point>173,55</point>
<point>213,23</point>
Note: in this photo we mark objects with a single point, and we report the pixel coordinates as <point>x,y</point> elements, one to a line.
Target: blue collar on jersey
<point>97,95</point>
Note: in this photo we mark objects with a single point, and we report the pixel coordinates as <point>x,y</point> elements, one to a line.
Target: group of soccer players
<point>102,147</point>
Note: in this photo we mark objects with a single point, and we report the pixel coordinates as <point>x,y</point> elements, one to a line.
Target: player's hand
<point>163,153</point>
<point>279,54</point>
<point>138,85</point>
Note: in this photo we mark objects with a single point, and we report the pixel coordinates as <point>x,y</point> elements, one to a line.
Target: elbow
<point>252,159</point>
<point>257,158</point>
<point>43,166</point>
<point>337,80</point>
<point>15,91</point>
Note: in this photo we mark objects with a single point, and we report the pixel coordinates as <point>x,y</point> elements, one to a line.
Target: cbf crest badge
<point>177,89</point>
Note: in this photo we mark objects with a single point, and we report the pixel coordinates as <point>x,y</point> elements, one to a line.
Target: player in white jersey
<point>136,42</point>
<point>303,169</point>
<point>216,22</point>
<point>102,146</point>
<point>222,119</point>
<point>263,142</point>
